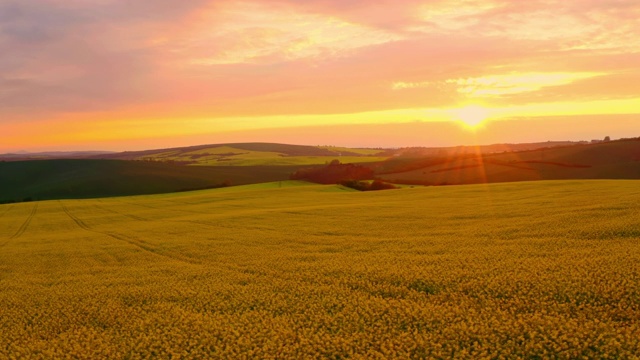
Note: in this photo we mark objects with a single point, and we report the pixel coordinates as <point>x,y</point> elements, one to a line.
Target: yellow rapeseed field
<point>524,270</point>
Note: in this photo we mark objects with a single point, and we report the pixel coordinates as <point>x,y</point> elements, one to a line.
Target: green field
<point>292,270</point>
<point>253,154</point>
<point>340,150</point>
<point>180,169</point>
<point>77,179</point>
<point>606,160</point>
<point>264,159</point>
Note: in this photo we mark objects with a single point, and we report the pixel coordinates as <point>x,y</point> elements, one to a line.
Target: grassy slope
<point>612,160</point>
<point>538,270</point>
<point>264,159</point>
<point>351,151</point>
<point>54,179</point>
<point>253,154</point>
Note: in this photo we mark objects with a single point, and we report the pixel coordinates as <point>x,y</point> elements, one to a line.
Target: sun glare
<point>471,116</point>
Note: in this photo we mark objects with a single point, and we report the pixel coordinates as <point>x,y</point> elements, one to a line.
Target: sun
<point>472,116</point>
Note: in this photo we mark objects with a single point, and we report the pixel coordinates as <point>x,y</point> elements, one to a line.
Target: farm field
<point>230,156</point>
<point>606,160</point>
<point>254,154</point>
<point>83,178</point>
<point>289,270</point>
<point>209,166</point>
<point>277,160</point>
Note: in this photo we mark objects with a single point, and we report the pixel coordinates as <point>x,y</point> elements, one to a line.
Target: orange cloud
<point>254,32</point>
<point>97,71</point>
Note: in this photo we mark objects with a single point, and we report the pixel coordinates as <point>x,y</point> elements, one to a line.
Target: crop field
<point>77,179</point>
<point>291,270</point>
<point>260,159</point>
<point>338,149</point>
<point>606,160</point>
<point>265,155</point>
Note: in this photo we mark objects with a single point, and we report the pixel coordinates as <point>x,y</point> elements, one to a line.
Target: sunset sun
<point>472,115</point>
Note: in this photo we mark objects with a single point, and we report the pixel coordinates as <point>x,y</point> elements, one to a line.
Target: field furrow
<point>26,222</point>
<point>79,222</point>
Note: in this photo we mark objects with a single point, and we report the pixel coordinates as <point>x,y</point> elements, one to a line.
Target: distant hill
<point>25,155</point>
<point>250,154</point>
<point>164,170</point>
<point>272,154</point>
<point>604,160</point>
<point>68,179</point>
<point>481,149</point>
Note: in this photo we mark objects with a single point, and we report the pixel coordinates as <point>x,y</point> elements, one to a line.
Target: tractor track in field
<point>26,223</point>
<point>139,244</point>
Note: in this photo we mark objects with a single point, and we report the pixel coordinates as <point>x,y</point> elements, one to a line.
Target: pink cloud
<point>149,58</point>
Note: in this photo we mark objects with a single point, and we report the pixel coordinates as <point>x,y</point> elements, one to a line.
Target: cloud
<point>623,85</point>
<point>515,83</point>
<point>498,85</point>
<point>254,32</point>
<point>223,59</point>
<point>447,16</point>
<point>389,15</point>
<point>588,24</point>
<point>73,56</point>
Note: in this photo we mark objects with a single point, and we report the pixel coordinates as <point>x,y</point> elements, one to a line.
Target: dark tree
<point>333,173</point>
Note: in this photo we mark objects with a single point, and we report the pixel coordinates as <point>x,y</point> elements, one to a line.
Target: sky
<point>132,75</point>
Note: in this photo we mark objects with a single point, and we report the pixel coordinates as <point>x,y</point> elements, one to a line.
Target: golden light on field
<point>472,115</point>
<point>504,270</point>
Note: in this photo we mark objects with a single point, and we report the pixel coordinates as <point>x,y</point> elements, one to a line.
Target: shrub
<point>366,186</point>
<point>333,173</point>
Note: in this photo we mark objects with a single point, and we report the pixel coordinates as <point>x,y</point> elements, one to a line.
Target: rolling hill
<point>165,170</point>
<point>273,154</point>
<point>251,154</point>
<point>69,179</point>
<point>605,160</point>
<point>25,155</point>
